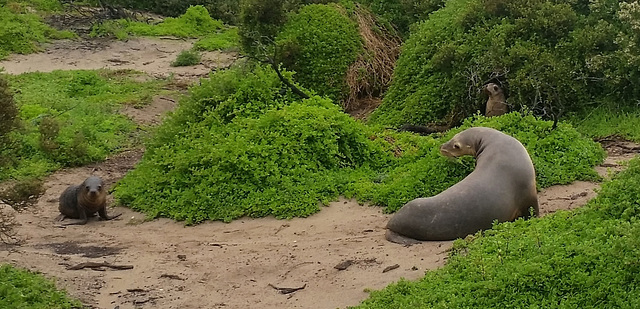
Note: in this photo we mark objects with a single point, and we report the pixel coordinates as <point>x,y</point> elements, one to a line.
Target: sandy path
<point>150,55</point>
<point>216,265</point>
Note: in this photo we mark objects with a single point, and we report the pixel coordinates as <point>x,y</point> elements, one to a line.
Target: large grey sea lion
<point>83,201</point>
<point>502,187</point>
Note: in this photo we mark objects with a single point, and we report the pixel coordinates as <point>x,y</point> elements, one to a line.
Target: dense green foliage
<point>403,13</point>
<point>319,43</point>
<point>582,259</point>
<point>551,56</point>
<point>194,23</point>
<point>25,289</point>
<point>70,118</point>
<point>224,40</point>
<point>261,20</point>
<point>22,31</point>
<point>186,58</point>
<point>241,145</point>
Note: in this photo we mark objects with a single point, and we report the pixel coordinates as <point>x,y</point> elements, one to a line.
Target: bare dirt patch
<point>88,251</point>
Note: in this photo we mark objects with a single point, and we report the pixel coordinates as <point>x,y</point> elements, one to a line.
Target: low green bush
<point>186,58</point>
<point>224,40</point>
<point>225,10</point>
<point>550,56</point>
<point>604,121</point>
<point>25,289</point>
<point>581,259</point>
<point>71,118</point>
<point>39,5</point>
<point>22,32</point>
<point>319,43</point>
<point>241,144</point>
<point>194,23</point>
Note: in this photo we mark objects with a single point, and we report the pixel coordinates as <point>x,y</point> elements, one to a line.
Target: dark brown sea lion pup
<point>83,201</point>
<point>497,104</point>
<point>502,187</point>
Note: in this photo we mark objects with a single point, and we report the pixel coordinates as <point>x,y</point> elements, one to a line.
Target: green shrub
<point>40,5</point>
<point>607,120</point>
<point>550,55</point>
<point>261,20</point>
<point>227,39</point>
<point>319,43</point>
<point>25,289</point>
<point>23,32</point>
<point>241,145</point>
<point>581,259</point>
<point>186,58</point>
<point>194,23</point>
<point>71,118</point>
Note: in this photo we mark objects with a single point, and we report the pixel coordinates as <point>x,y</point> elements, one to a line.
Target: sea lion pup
<point>502,187</point>
<point>497,104</point>
<point>83,201</point>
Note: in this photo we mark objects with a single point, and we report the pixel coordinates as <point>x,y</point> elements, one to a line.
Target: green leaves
<point>25,289</point>
<point>319,43</point>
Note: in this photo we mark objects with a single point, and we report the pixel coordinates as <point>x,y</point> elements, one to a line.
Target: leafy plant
<point>227,39</point>
<point>186,58</point>
<point>319,43</point>
<point>22,32</point>
<point>25,289</point>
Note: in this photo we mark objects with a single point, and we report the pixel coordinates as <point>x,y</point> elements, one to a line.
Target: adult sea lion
<point>497,104</point>
<point>83,201</point>
<point>502,187</point>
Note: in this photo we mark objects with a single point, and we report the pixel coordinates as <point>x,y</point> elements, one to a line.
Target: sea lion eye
<point>456,146</point>
<point>99,188</point>
<point>495,88</point>
<point>87,187</point>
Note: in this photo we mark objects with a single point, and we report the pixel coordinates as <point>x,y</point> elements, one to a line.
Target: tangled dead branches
<point>371,74</point>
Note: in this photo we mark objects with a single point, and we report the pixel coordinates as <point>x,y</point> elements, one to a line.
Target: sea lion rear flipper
<point>399,239</point>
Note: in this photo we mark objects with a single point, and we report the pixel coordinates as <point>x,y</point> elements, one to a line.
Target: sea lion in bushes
<point>502,187</point>
<point>83,201</point>
<point>497,104</point>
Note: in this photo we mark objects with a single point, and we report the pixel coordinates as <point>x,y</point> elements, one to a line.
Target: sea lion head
<point>461,144</point>
<point>93,186</point>
<point>492,89</point>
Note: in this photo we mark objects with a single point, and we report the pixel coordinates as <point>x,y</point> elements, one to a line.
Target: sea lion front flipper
<point>400,239</point>
<point>102,212</point>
